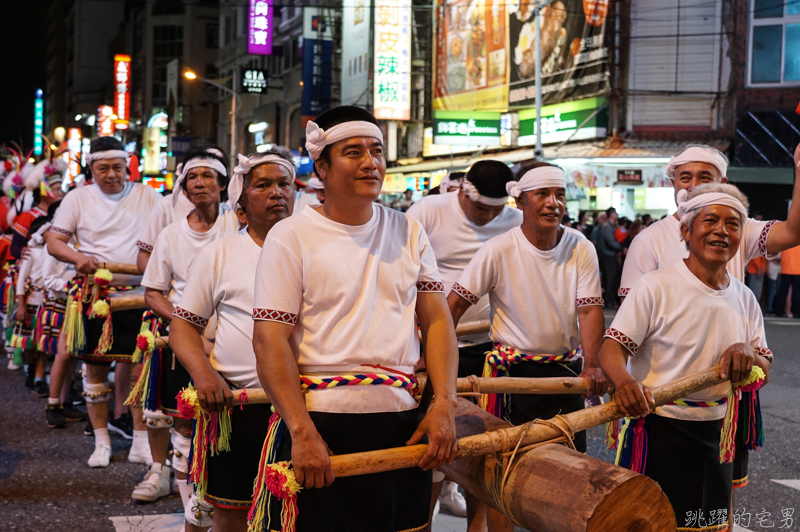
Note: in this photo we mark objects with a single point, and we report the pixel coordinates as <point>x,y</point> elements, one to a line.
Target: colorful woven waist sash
<point>631,440</point>
<point>498,364</point>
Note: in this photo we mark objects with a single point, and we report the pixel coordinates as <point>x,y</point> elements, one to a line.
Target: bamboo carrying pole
<point>493,442</point>
<point>118,267</point>
<point>127,302</point>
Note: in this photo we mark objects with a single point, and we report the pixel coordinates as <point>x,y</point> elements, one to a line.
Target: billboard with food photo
<point>471,55</point>
<point>574,51</point>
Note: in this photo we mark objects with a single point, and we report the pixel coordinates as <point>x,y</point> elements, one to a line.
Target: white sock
<point>186,491</point>
<point>101,436</point>
<point>140,438</point>
<point>51,401</point>
<point>155,466</point>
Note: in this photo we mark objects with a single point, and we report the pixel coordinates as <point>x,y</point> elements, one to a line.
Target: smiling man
<point>106,219</point>
<point>221,283</point>
<point>543,283</point>
<point>681,319</point>
<point>337,290</point>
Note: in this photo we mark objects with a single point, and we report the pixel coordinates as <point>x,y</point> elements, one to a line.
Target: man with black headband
<point>106,218</point>
<point>204,179</point>
<point>458,224</point>
<point>221,284</point>
<point>337,290</point>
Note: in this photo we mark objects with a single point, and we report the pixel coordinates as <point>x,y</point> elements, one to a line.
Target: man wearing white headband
<point>684,318</point>
<point>221,285</point>
<point>318,187</point>
<point>458,226</point>
<point>660,245</point>
<point>106,218</point>
<point>204,180</point>
<point>543,284</point>
<point>337,291</point>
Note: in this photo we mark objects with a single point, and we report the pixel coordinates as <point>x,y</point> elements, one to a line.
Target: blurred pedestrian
<point>566,221</point>
<point>622,230</point>
<point>773,272</point>
<point>405,201</point>
<point>582,224</point>
<point>756,269</point>
<point>646,220</point>
<point>790,278</point>
<point>610,250</point>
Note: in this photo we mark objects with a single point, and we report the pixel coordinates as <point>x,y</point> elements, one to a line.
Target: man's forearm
<point>160,304</point>
<point>613,361</point>
<point>592,324</point>
<point>61,250</point>
<point>187,344</point>
<point>442,358</point>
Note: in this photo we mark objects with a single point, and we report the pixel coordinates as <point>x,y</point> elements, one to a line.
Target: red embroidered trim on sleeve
<point>623,292</point>
<point>586,301</point>
<point>144,246</point>
<point>762,239</point>
<point>184,314</point>
<point>430,286</point>
<point>466,294</point>
<point>266,314</point>
<point>62,231</point>
<point>764,352</point>
<point>626,342</point>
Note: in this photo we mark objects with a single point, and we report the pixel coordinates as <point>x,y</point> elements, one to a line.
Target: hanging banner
<point>471,55</point>
<point>356,20</point>
<point>574,51</point>
<point>317,63</point>
<point>122,88</point>
<point>259,27</point>
<point>392,53</point>
<point>470,128</point>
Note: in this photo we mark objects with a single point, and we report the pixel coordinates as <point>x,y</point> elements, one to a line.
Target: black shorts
<point>683,457</point>
<point>173,378</point>
<point>472,358</point>
<point>527,407</point>
<point>231,474</point>
<point>125,325</point>
<point>742,458</point>
<point>394,501</point>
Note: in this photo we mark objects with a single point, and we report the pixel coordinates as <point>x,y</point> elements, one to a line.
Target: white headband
<point>542,177</point>
<point>316,183</point>
<point>183,171</point>
<point>317,138</point>
<point>243,168</point>
<point>107,154</point>
<point>697,154</point>
<point>704,200</point>
<point>473,194</point>
<point>444,184</point>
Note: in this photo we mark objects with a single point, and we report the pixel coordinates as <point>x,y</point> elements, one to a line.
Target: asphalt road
<point>46,485</point>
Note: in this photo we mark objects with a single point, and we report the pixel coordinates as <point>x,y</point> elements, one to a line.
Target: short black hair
<point>340,115</point>
<point>105,144</point>
<point>200,152</point>
<point>610,210</point>
<point>490,178</point>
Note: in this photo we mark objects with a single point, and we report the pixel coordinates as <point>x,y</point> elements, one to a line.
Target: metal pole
<point>233,121</point>
<point>538,35</point>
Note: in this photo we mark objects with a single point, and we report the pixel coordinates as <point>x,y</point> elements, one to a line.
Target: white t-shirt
<point>301,199</point>
<point>107,226</point>
<point>455,239</point>
<point>31,268</point>
<point>164,214</point>
<point>534,294</point>
<point>661,245</point>
<point>674,325</point>
<point>176,249</point>
<point>221,282</point>
<point>351,293</point>
<point>56,275</point>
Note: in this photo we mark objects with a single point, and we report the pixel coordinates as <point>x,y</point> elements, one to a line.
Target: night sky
<point>23,46</point>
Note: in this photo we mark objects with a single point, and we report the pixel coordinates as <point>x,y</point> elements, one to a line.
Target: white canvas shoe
<point>156,484</point>
<point>101,456</point>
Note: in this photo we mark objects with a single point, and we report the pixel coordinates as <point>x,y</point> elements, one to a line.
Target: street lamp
<point>190,75</point>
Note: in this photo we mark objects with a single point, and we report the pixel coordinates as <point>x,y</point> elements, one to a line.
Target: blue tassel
<point>154,385</point>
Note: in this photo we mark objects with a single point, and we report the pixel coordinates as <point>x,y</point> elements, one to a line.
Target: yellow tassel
<point>142,383</point>
<point>73,323</point>
<point>100,309</point>
<point>106,338</point>
<point>103,275</point>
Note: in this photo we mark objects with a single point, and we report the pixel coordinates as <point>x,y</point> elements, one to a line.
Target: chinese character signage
<point>317,62</point>
<point>73,156</point>
<point>392,56</point>
<point>122,86</point>
<point>471,128</point>
<point>574,51</point>
<point>471,60</point>
<point>38,122</point>
<point>254,81</point>
<point>259,27</point>
<point>105,121</point>
<point>561,121</point>
<point>356,20</point>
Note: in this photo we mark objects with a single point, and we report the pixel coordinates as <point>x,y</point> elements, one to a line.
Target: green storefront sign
<point>459,127</point>
<point>561,120</point>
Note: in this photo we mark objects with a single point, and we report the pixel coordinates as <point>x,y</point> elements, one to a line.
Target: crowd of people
<point>321,297</point>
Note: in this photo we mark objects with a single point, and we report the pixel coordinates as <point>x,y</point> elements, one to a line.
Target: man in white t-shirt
<point>681,319</point>
<point>106,219</point>
<point>660,245</point>
<point>204,179</point>
<point>318,187</point>
<point>337,290</point>
<point>221,283</point>
<point>457,225</point>
<point>543,283</point>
